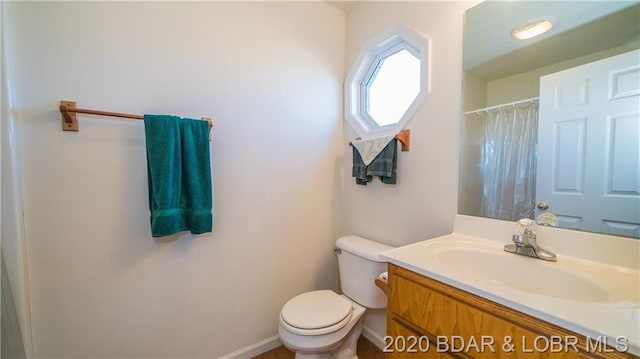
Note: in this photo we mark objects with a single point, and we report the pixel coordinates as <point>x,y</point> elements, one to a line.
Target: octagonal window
<point>392,87</point>
<point>388,82</point>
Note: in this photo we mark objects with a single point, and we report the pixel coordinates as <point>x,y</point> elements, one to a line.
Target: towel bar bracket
<point>404,137</point>
<point>210,121</point>
<point>69,119</point>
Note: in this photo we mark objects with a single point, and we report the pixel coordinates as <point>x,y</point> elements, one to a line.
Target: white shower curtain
<point>508,161</point>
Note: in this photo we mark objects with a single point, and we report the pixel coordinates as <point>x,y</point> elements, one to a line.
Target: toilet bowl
<point>327,340</point>
<point>325,324</point>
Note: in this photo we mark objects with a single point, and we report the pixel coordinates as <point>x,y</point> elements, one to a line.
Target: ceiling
<point>345,6</point>
<point>490,52</point>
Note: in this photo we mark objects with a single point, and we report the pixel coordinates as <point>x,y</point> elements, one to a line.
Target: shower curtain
<point>508,161</point>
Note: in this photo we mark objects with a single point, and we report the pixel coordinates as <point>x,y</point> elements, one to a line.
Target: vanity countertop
<point>594,299</point>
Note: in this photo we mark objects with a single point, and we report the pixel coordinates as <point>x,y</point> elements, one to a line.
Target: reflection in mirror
<point>551,124</point>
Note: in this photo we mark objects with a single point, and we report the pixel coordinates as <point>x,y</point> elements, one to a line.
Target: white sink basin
<point>522,273</point>
<point>485,265</point>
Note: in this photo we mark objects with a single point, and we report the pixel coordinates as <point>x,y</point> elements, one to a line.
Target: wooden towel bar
<point>69,110</point>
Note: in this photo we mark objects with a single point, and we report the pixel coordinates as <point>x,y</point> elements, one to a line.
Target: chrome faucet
<point>524,242</point>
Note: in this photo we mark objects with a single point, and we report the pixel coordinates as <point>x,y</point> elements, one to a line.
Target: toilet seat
<point>316,313</point>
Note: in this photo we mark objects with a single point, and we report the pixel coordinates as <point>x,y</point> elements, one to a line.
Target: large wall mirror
<point>551,123</point>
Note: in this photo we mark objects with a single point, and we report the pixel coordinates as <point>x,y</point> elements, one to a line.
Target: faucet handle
<point>526,226</point>
<point>525,241</point>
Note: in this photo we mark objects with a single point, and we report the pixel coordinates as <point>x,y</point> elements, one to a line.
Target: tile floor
<point>366,350</point>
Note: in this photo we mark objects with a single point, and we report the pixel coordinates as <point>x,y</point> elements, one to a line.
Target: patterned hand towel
<point>383,165</point>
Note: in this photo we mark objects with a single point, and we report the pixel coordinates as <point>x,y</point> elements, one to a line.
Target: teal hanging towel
<point>179,175</point>
<point>197,194</point>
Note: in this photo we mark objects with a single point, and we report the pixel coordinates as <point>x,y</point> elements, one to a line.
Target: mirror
<point>551,124</point>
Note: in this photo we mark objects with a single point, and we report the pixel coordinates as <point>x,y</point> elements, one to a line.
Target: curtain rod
<point>514,103</point>
<point>69,110</point>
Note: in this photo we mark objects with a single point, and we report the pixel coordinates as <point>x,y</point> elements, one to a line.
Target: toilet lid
<point>317,309</point>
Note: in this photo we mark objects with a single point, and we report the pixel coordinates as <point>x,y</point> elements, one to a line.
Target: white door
<point>589,145</point>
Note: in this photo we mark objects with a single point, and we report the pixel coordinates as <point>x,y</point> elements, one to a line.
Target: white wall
<point>474,92</point>
<point>424,201</point>
<point>526,85</point>
<point>270,74</point>
<point>14,255</point>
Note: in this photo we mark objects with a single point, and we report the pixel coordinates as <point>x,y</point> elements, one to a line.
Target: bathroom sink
<point>485,265</point>
<point>522,273</point>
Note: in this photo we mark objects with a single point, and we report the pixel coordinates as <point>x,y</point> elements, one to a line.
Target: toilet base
<point>346,350</point>
<point>313,356</point>
<point>349,349</point>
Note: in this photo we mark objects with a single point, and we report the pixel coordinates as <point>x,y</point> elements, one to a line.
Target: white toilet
<point>324,324</point>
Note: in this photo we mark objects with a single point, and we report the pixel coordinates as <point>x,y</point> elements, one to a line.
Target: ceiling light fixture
<point>532,29</point>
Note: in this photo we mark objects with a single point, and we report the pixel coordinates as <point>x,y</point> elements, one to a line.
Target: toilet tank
<point>359,265</point>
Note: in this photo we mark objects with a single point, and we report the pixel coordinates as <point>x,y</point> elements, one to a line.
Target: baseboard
<point>273,342</point>
<point>373,337</point>
<point>256,349</point>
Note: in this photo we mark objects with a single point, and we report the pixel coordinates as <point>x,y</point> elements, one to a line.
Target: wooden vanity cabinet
<point>423,312</point>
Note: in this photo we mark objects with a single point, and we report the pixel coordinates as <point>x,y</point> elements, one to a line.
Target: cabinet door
<point>472,326</point>
<point>403,341</point>
<point>448,318</point>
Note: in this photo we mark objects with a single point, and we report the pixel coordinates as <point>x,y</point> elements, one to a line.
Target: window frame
<point>367,64</point>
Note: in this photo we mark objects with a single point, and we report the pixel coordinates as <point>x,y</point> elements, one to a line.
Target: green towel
<point>179,175</point>
<point>383,166</point>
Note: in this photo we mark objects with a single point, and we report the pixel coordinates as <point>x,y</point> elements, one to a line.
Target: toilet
<point>325,324</point>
